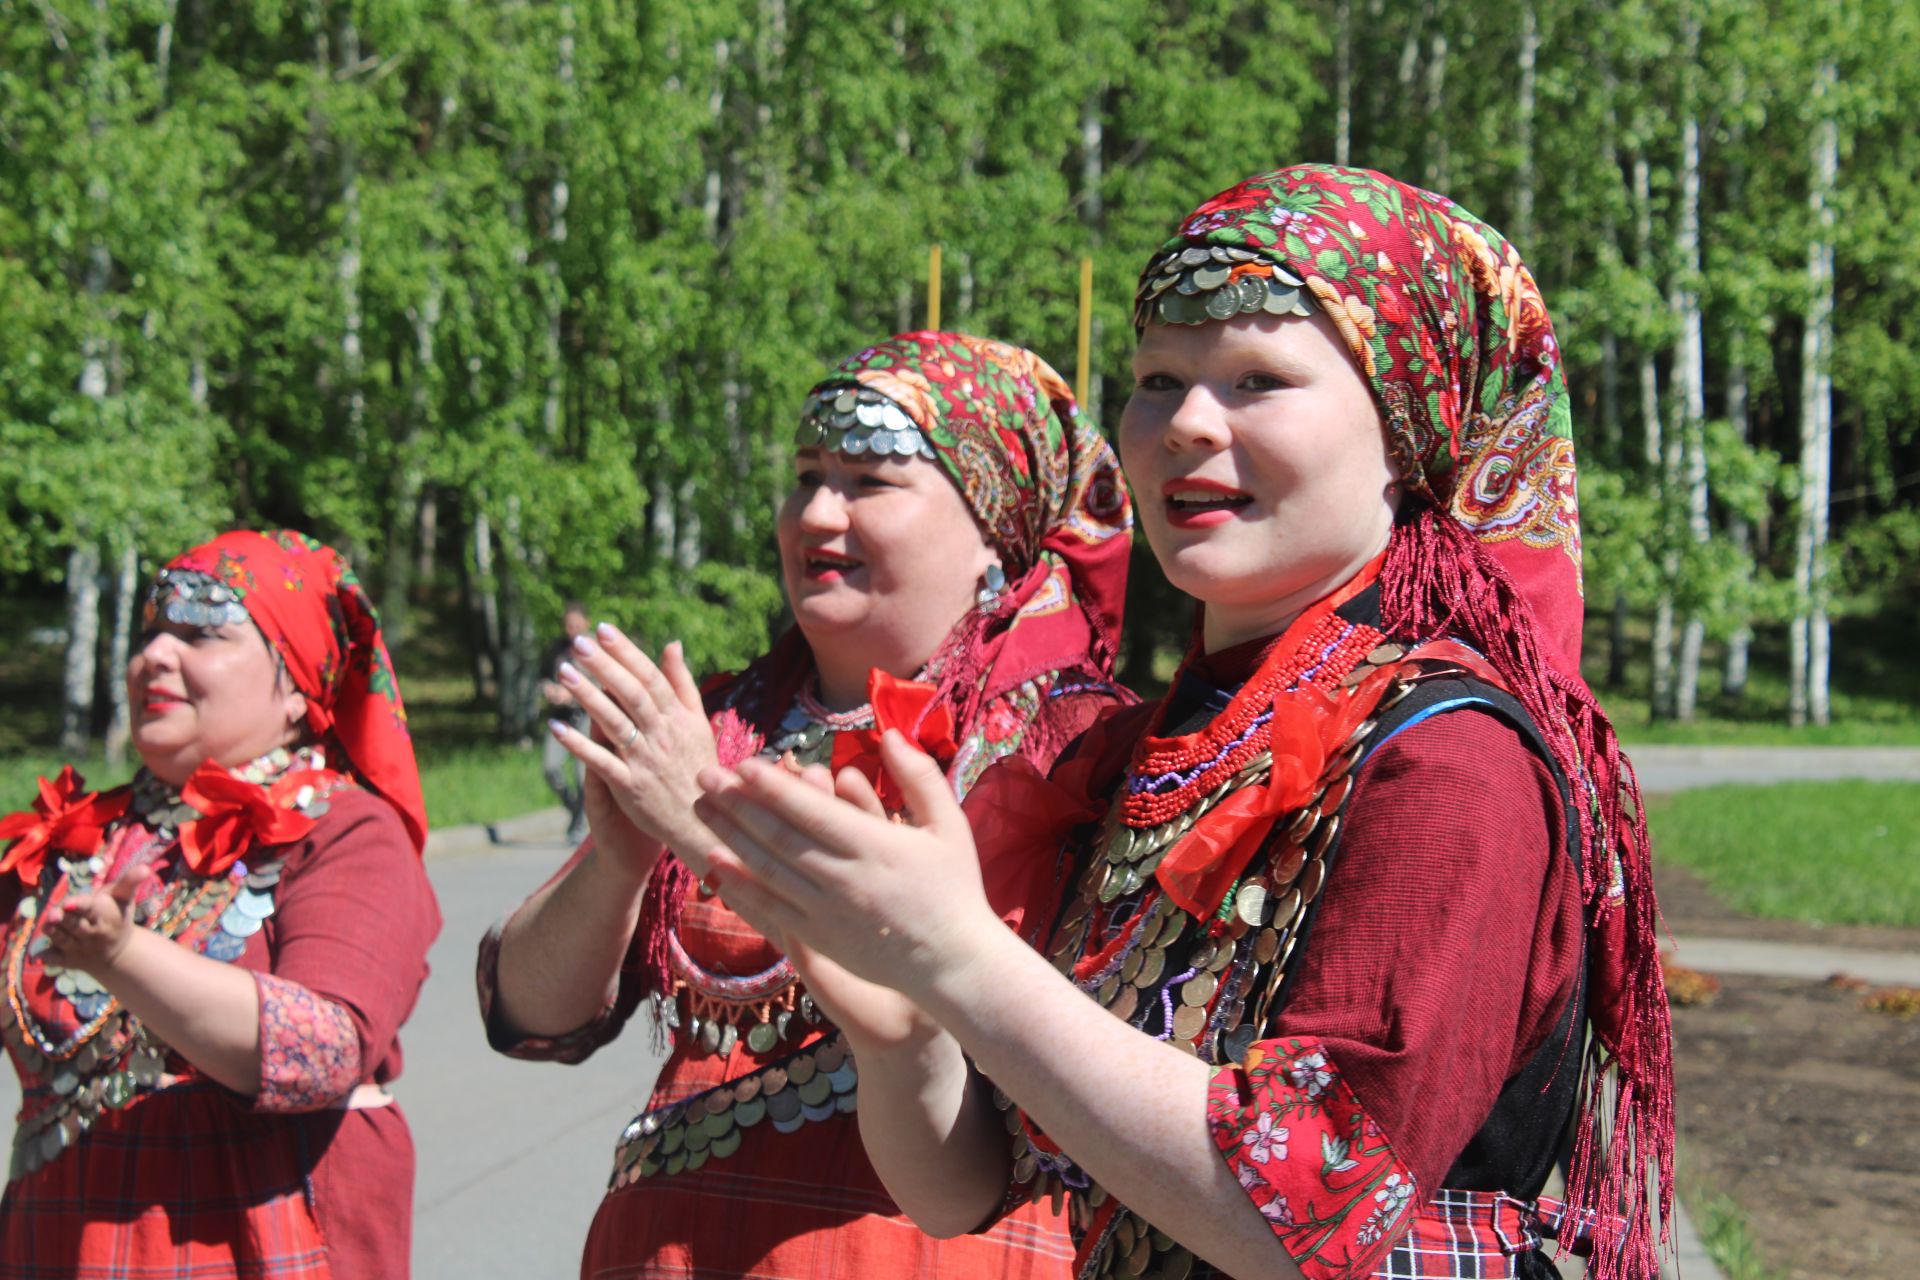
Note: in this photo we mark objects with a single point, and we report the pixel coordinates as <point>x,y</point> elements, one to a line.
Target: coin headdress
<point>321,624</point>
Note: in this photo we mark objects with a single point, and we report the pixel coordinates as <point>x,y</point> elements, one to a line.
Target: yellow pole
<point>933,287</point>
<point>1086,332</point>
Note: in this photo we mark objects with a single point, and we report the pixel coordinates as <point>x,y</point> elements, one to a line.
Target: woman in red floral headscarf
<point>1363,906</point>
<point>954,551</point>
<point>206,968</point>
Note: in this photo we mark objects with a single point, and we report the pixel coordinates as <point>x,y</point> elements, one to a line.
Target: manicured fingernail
<point>582,645</point>
<point>558,728</point>
<point>711,882</point>
<point>606,632</point>
<point>569,674</point>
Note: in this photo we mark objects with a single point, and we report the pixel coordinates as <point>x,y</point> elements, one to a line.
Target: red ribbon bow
<point>236,814</point>
<point>64,817</point>
<point>905,705</point>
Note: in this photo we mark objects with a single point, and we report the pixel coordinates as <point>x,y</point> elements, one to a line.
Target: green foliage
<point>1822,852</point>
<point>1879,565</point>
<point>542,285</point>
<point>482,784</point>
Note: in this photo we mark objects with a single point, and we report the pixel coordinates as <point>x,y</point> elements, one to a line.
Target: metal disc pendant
<point>1196,991</point>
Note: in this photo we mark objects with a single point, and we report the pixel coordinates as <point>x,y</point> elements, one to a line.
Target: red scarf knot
<point>1305,735</point>
<point>64,817</point>
<point>236,815</point>
<point>905,705</point>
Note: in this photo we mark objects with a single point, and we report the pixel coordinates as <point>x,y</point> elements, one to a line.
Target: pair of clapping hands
<point>811,860</point>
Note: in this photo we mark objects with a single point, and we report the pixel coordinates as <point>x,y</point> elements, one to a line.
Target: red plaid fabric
<point>187,1201</point>
<point>1478,1235</point>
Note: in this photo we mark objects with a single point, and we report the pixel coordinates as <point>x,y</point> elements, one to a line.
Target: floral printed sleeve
<point>575,1046</point>
<point>1320,1171</point>
<point>309,1048</point>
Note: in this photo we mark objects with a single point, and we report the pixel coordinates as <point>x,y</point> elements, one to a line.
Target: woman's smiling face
<point>1259,463</point>
<point>208,693</point>
<point>873,548</point>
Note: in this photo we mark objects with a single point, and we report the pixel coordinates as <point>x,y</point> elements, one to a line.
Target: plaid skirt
<point>183,1185</point>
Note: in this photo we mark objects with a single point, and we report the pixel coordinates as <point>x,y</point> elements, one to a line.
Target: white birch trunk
<point>83,641</point>
<point>1733,681</point>
<point>1439,128</point>
<point>1343,82</point>
<point>83,559</point>
<point>1809,640</point>
<point>1522,229</point>
<point>1690,363</point>
<point>126,587</point>
<point>518,652</point>
<point>687,546</point>
<point>405,519</point>
<point>163,48</point>
<point>558,197</point>
<point>348,265</point>
<point>486,600</point>
<point>1093,215</point>
<point>1661,698</point>
<point>1740,644</point>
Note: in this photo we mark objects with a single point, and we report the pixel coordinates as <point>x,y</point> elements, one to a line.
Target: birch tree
<point>1809,649</point>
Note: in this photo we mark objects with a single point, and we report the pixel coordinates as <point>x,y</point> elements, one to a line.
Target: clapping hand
<point>650,738</point>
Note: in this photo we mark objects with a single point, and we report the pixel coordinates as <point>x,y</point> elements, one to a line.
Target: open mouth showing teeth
<point>1194,502</point>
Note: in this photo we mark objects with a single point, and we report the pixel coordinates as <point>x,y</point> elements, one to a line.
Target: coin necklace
<point>722,1009</point>
<point>110,1056</point>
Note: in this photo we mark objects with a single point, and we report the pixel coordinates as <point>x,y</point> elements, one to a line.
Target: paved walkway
<point>1666,768</point>
<point>1813,963</point>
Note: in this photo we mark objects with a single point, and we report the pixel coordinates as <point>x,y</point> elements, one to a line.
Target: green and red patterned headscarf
<point>316,616</point>
<point>1448,327</point>
<point>1045,487</point>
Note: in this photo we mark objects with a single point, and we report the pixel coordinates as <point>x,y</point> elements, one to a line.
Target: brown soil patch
<point>1804,1107</point>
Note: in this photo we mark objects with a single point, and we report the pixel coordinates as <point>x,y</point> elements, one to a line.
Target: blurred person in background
<point>562,771</point>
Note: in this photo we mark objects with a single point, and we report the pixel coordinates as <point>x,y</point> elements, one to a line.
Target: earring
<point>993,581</point>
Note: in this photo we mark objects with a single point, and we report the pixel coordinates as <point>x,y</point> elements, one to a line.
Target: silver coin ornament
<point>190,598</point>
<point>1196,284</point>
<point>860,422</point>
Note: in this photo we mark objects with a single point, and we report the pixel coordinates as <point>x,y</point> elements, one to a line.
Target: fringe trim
<point>1438,581</point>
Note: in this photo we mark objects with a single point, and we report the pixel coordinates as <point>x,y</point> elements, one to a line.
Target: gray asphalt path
<point>1742,958</point>
<point>513,1155</point>
<point>1663,768</point>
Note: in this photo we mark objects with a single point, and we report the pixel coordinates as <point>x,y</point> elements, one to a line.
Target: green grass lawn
<point>1821,852</point>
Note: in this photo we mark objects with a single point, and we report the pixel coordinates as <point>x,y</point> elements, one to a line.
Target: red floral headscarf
<point>1447,325</point>
<point>1045,487</point>
<point>315,614</point>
